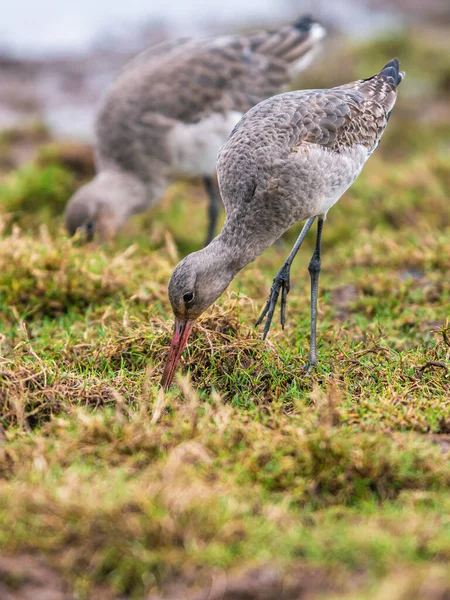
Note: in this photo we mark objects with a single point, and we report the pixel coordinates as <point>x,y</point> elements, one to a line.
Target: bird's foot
<point>281,283</point>
<point>310,367</point>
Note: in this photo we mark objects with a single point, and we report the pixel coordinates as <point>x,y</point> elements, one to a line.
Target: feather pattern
<point>288,159</point>
<point>172,107</point>
<point>186,81</point>
<point>293,155</point>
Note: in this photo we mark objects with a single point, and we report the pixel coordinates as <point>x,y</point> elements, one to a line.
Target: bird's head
<point>90,214</point>
<point>102,206</point>
<point>196,283</point>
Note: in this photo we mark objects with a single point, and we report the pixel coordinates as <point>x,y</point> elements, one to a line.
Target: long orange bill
<point>179,340</point>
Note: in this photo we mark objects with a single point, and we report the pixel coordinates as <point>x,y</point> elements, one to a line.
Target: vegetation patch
<point>250,477</point>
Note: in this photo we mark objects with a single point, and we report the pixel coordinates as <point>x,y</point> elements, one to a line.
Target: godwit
<point>289,158</point>
<point>169,112</point>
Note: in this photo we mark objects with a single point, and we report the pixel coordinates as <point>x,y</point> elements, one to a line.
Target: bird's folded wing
<point>188,79</point>
<point>338,119</point>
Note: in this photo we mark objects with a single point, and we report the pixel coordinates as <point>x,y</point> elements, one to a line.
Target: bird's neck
<point>242,240</point>
<point>125,192</point>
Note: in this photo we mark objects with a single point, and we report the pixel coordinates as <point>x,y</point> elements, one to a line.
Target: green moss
<point>36,190</point>
<point>334,484</point>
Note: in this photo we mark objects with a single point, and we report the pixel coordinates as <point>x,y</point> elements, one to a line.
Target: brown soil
<point>27,577</point>
<point>263,583</point>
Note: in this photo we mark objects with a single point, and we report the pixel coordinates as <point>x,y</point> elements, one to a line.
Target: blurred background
<point>58,59</point>
<point>314,470</point>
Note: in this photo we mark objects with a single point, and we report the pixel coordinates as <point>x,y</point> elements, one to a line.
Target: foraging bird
<point>169,112</point>
<point>289,158</point>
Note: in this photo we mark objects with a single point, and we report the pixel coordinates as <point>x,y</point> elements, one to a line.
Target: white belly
<point>194,147</point>
<point>339,172</point>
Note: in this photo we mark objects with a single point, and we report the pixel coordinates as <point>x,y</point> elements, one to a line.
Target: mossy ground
<point>250,471</point>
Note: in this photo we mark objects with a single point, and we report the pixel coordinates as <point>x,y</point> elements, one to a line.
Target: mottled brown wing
<point>187,79</point>
<point>221,78</point>
<point>339,120</point>
<point>382,87</point>
<point>354,113</point>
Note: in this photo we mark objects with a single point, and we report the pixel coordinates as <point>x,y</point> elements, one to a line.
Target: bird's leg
<point>282,282</point>
<point>213,207</point>
<point>314,271</point>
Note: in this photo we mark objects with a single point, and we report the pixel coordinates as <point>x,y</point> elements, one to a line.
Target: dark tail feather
<point>391,72</point>
<point>304,23</point>
<point>291,43</point>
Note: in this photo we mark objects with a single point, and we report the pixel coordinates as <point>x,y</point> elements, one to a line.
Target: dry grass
<point>250,478</point>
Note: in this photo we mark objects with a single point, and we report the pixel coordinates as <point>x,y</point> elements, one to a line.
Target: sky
<point>43,26</point>
<point>49,26</point>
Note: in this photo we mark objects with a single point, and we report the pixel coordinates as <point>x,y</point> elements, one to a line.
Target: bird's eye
<point>188,297</point>
<point>89,229</point>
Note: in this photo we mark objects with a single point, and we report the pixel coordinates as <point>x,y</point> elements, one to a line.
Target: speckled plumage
<point>293,156</point>
<point>290,158</point>
<point>173,106</point>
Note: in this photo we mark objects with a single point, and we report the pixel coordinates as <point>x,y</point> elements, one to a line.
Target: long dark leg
<point>213,207</point>
<point>282,282</point>
<point>314,271</point>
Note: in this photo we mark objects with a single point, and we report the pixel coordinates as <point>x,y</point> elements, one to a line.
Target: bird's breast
<point>194,146</point>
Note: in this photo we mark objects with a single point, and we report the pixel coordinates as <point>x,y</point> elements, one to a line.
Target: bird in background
<point>171,109</point>
<point>289,158</point>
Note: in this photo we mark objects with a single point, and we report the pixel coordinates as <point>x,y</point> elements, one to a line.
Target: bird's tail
<point>382,87</point>
<point>390,72</point>
<point>294,44</point>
